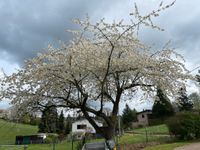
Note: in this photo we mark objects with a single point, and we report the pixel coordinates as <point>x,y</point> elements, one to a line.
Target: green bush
<point>185,125</point>
<point>48,140</point>
<point>51,138</point>
<point>154,122</point>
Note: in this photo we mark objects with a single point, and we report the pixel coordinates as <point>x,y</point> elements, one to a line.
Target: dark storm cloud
<point>186,37</point>
<point>27,26</point>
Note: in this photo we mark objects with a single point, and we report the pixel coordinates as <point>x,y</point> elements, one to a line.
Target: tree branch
<point>136,84</point>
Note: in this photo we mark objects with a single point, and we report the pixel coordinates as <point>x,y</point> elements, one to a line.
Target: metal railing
<point>94,146</point>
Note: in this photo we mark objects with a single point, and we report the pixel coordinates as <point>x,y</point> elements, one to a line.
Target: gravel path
<point>195,146</point>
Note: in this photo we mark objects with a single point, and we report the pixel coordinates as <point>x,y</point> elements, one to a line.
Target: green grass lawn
<point>61,146</point>
<point>9,130</point>
<point>159,129</point>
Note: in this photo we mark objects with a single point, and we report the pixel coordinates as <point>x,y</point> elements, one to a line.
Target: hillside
<point>9,130</point>
<point>158,129</point>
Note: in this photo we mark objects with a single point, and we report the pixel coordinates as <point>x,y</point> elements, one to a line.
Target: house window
<point>81,126</point>
<point>142,116</point>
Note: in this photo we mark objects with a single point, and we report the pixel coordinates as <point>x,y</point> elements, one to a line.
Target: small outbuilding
<point>143,118</point>
<point>31,139</point>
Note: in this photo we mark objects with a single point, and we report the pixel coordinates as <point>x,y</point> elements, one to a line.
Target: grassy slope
<point>132,139</point>
<point>8,131</point>
<point>141,138</point>
<point>159,129</point>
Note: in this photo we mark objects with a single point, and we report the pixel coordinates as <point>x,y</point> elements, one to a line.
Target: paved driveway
<point>195,146</point>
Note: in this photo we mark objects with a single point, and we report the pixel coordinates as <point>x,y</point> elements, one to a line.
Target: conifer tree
<point>195,98</point>
<point>162,107</point>
<point>68,127</point>
<point>128,116</point>
<point>61,124</point>
<point>49,119</point>
<point>184,104</point>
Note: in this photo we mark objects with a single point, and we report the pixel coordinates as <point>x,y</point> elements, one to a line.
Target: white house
<point>84,126</point>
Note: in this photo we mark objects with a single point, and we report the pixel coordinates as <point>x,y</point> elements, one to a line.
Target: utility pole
<point>119,124</point>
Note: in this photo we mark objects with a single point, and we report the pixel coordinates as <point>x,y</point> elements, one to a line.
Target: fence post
<point>146,134</point>
<point>25,147</point>
<point>72,143</point>
<point>54,144</point>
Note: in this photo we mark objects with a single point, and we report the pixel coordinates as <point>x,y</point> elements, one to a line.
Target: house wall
<point>143,118</point>
<point>3,113</point>
<point>89,127</point>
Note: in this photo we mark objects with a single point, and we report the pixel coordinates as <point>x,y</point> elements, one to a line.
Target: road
<point>194,146</point>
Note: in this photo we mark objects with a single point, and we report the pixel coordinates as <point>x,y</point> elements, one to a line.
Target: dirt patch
<point>194,146</point>
<point>136,146</point>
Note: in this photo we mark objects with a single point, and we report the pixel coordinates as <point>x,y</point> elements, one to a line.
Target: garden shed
<point>30,139</point>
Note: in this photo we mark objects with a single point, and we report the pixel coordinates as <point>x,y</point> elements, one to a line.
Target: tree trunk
<point>109,133</point>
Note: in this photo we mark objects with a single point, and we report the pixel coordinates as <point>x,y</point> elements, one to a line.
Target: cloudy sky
<point>28,26</point>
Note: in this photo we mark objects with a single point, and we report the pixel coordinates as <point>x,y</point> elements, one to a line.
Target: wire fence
<point>13,147</point>
<point>67,144</point>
